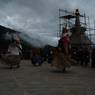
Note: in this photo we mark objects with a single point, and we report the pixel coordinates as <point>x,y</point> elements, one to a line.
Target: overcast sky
<point>40,16</point>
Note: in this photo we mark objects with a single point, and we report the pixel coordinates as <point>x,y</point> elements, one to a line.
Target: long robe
<point>60,61</point>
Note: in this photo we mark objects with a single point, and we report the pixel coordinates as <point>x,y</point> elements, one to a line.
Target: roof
<point>68,16</point>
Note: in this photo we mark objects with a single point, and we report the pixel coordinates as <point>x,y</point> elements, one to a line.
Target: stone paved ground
<point>29,80</point>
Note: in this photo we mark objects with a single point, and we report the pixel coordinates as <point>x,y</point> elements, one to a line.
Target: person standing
<point>13,55</point>
<point>93,58</point>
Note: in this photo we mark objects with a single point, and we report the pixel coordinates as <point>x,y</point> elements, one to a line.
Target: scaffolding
<point>67,19</point>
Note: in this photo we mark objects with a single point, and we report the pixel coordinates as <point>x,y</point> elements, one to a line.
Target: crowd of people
<point>38,55</point>
<point>84,56</point>
<point>60,57</point>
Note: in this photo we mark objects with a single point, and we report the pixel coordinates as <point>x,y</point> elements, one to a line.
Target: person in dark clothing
<point>36,58</point>
<point>75,54</point>
<point>46,53</point>
<point>93,58</point>
<point>50,56</point>
<point>84,57</point>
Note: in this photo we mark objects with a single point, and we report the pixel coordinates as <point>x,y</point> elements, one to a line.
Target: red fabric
<point>65,39</point>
